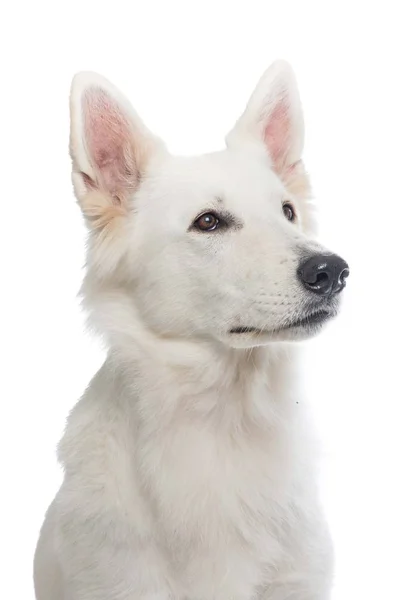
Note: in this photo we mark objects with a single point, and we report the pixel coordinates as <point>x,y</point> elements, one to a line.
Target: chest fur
<point>217,478</point>
<point>221,501</point>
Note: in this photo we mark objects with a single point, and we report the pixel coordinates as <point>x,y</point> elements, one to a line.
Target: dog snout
<point>324,274</point>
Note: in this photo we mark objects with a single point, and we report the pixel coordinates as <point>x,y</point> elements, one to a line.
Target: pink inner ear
<point>108,136</point>
<point>277,134</point>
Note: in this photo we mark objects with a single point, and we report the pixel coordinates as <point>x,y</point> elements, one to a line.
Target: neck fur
<point>201,377</point>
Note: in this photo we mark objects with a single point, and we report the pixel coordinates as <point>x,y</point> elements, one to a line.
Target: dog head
<point>218,246</point>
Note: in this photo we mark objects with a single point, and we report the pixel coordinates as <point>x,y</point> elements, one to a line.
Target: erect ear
<point>110,149</point>
<point>274,117</point>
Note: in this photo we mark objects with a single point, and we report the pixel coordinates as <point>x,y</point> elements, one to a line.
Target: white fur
<point>190,467</point>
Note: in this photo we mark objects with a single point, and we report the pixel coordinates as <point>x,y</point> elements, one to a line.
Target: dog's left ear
<point>274,117</point>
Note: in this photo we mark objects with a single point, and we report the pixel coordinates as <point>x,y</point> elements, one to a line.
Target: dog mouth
<point>315,318</point>
<point>310,321</point>
<point>239,330</point>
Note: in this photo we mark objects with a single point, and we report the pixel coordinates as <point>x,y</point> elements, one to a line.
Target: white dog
<point>189,463</point>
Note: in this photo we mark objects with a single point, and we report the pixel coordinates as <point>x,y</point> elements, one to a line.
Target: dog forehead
<point>237,178</point>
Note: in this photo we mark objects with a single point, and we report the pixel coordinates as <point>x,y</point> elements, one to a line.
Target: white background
<point>189,68</point>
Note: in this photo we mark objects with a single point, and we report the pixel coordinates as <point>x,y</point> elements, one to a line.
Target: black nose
<point>324,274</point>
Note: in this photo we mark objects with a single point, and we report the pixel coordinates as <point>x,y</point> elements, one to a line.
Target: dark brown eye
<point>207,222</point>
<point>288,211</point>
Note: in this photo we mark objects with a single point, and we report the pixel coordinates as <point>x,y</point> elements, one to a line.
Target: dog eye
<point>288,211</point>
<point>207,222</point>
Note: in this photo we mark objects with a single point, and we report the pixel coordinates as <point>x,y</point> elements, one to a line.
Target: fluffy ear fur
<point>274,117</point>
<point>110,148</point>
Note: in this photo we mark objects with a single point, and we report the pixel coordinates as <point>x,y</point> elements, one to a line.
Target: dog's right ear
<point>110,149</point>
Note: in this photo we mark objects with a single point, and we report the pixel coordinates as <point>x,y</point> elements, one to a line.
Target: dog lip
<point>316,317</point>
<point>313,318</point>
<point>239,330</point>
